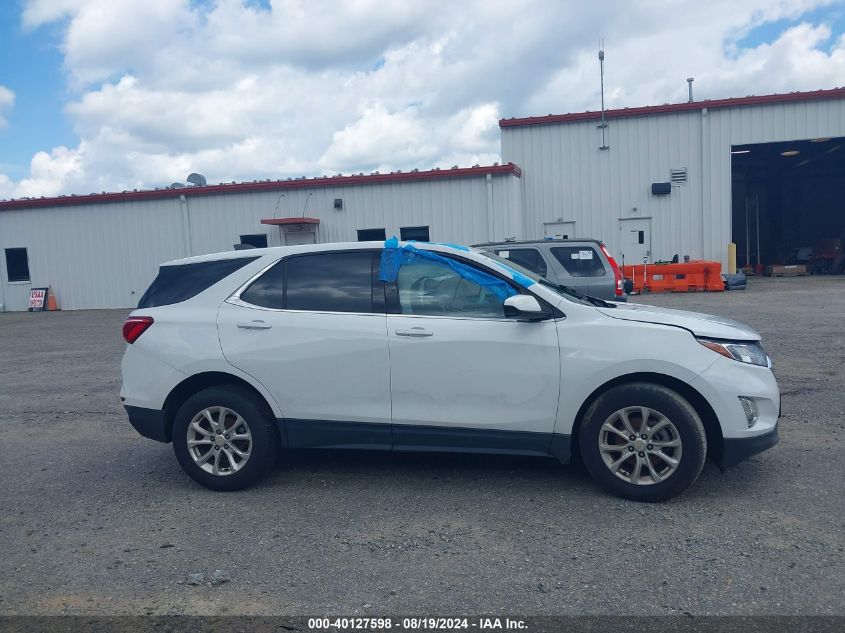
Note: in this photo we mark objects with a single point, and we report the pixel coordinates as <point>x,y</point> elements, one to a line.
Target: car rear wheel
<point>643,442</point>
<point>224,439</point>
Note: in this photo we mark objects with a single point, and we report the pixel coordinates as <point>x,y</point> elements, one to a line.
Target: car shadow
<point>387,470</point>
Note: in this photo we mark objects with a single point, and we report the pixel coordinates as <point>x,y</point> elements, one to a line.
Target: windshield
<point>563,291</point>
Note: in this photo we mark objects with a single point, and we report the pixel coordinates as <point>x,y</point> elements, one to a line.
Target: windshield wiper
<point>599,303</point>
<point>570,291</point>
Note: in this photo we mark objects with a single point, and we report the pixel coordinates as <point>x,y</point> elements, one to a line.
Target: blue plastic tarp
<point>393,257</point>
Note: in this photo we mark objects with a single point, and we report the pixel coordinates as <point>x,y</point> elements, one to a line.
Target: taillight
<point>133,327</point>
<point>617,274</point>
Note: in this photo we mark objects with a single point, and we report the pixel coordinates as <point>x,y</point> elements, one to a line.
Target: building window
<point>258,240</point>
<point>17,264</point>
<point>371,235</point>
<point>418,233</point>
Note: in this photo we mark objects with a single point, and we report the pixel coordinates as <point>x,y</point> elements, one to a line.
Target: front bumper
<point>735,450</point>
<point>722,384</point>
<point>149,423</point>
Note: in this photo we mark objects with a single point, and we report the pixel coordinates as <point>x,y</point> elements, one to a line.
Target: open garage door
<point>788,204</point>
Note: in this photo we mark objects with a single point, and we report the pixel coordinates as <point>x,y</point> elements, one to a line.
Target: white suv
<point>434,347</point>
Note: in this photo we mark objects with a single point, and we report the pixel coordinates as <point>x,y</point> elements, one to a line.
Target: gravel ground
<point>97,520</point>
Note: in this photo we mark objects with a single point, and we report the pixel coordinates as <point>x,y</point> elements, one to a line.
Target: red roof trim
<point>834,93</point>
<point>273,185</point>
<point>281,221</point>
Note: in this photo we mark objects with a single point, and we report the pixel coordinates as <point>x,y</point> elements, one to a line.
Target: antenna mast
<point>305,206</point>
<point>603,125</point>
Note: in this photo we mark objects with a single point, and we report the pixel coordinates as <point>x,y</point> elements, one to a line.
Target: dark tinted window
<point>371,235</point>
<point>17,264</point>
<point>180,282</point>
<point>580,261</point>
<point>258,240</point>
<point>330,282</point>
<point>529,258</point>
<point>268,290</point>
<point>323,282</point>
<point>418,233</point>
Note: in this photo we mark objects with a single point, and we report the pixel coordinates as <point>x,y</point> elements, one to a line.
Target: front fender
<point>623,348</point>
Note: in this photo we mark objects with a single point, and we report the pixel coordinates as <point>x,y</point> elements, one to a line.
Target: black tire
<point>261,425</point>
<point>660,399</point>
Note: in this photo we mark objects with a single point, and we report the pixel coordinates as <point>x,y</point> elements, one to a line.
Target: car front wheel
<point>223,438</point>
<point>643,442</point>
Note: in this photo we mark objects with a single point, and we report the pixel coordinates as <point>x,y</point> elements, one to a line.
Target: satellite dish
<point>177,185</point>
<point>197,180</point>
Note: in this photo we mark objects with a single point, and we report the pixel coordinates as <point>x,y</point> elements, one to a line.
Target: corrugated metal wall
<point>566,177</point>
<point>94,256</point>
<point>454,209</point>
<point>105,255</point>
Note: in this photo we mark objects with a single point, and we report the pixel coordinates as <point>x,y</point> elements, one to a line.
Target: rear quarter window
<point>180,282</point>
<point>580,261</point>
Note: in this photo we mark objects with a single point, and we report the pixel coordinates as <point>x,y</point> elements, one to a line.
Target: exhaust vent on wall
<point>678,175</point>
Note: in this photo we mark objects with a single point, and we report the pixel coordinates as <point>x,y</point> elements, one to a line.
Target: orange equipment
<point>693,276</point>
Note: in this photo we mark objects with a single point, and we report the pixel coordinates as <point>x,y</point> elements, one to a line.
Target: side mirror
<point>525,307</point>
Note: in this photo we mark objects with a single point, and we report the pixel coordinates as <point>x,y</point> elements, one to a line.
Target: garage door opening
<point>788,204</point>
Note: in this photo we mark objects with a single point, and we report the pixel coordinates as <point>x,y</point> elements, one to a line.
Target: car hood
<point>706,325</point>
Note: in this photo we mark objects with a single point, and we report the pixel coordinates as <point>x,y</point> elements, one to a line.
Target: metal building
<point>766,172</point>
<point>103,250</point>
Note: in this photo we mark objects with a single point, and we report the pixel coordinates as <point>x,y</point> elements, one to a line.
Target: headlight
<point>744,352</point>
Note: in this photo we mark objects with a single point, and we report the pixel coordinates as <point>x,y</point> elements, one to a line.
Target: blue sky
<point>114,94</point>
<point>766,33</point>
<point>31,66</point>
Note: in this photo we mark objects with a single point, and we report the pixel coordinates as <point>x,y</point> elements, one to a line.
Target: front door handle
<point>254,325</point>
<point>415,332</point>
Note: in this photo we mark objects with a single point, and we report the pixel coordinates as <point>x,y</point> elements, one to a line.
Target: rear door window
<point>180,282</point>
<point>319,282</point>
<point>580,261</point>
<point>529,258</point>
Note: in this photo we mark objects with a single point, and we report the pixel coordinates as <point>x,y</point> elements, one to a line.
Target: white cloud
<point>161,88</point>
<point>51,174</point>
<point>7,100</point>
<point>7,187</point>
<point>379,135</point>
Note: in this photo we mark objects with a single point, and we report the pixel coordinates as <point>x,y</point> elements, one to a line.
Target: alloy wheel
<point>640,445</point>
<point>219,441</point>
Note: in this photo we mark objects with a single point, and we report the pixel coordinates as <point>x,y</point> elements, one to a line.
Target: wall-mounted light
<point>741,151</point>
<point>338,204</point>
<point>790,152</point>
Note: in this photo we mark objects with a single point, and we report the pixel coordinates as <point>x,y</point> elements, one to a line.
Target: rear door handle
<point>415,332</point>
<point>254,325</point>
